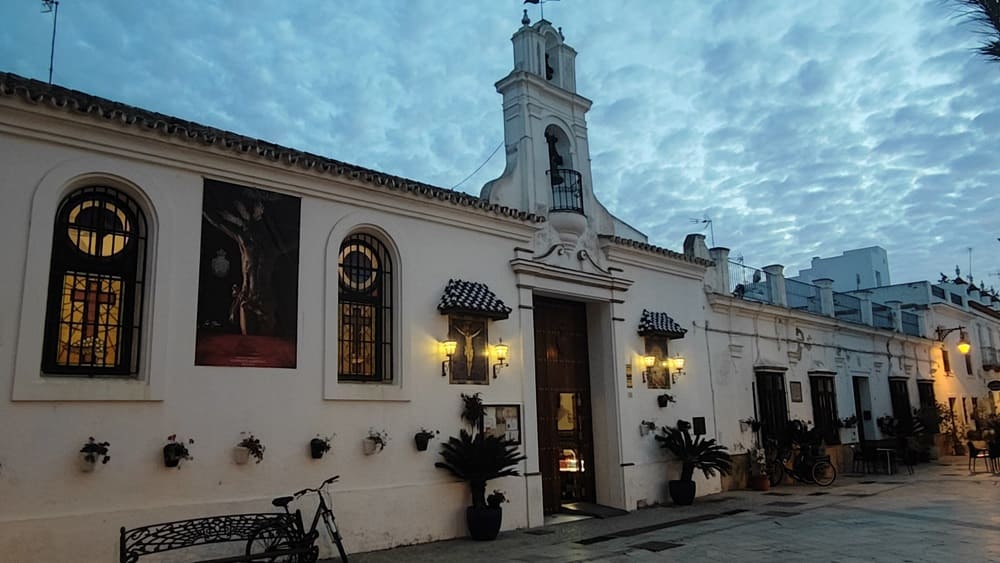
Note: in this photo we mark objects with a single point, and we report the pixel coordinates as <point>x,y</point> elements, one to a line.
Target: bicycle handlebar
<point>317,489</point>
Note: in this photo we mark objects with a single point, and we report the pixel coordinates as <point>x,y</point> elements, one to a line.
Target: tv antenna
<point>53,7</point>
<point>706,220</point>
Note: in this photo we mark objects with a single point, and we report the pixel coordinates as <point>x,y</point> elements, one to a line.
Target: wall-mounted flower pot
<point>241,455</point>
<point>85,465</point>
<point>370,447</point>
<point>422,439</point>
<point>173,454</point>
<point>663,400</point>
<point>318,447</point>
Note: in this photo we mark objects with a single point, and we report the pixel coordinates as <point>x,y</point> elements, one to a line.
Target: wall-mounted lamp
<point>963,338</point>
<point>448,348</point>
<point>500,350</point>
<point>649,362</point>
<point>675,367</point>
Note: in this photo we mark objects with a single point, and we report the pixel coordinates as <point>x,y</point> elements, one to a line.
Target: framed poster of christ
<point>248,277</point>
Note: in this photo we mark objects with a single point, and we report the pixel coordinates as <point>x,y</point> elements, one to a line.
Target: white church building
<point>168,279</point>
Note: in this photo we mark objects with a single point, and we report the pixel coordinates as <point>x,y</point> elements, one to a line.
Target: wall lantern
<point>448,347</point>
<point>500,349</point>
<point>649,362</point>
<point>675,367</point>
<point>963,338</point>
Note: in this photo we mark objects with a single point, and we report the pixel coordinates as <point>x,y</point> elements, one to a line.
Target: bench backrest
<point>167,536</point>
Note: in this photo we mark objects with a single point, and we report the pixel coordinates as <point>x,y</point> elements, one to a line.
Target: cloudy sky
<point>801,128</point>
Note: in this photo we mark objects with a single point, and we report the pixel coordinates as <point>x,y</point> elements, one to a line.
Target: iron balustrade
<point>990,358</point>
<point>803,296</point>
<point>847,307</point>
<point>567,190</point>
<point>882,316</point>
<point>910,322</point>
<point>748,283</point>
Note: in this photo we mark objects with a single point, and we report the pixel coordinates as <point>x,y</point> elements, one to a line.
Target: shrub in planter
<point>423,438</point>
<point>175,451</point>
<point>375,442</point>
<point>92,451</point>
<point>319,446</point>
<point>248,446</point>
<point>696,453</point>
<point>477,457</point>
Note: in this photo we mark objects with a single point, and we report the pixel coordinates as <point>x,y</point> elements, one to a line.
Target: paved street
<point>941,513</point>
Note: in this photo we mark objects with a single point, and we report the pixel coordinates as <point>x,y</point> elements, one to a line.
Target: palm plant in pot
<point>696,453</point>
<point>477,457</point>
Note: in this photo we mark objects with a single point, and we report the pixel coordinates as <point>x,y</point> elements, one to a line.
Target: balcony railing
<point>991,359</point>
<point>567,190</point>
<point>748,283</point>
<point>910,322</point>
<point>803,297</point>
<point>847,307</point>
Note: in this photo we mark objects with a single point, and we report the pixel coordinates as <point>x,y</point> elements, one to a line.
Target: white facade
<point>860,268</point>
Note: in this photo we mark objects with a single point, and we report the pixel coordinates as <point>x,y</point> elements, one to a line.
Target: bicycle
<point>814,469</point>
<point>275,538</point>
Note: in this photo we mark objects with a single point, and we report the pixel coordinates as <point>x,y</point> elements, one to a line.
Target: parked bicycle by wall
<point>268,539</point>
<point>803,465</point>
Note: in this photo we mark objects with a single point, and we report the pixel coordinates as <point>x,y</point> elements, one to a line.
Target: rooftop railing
<point>803,297</point>
<point>882,316</point>
<point>911,323</point>
<point>847,307</point>
<point>748,283</point>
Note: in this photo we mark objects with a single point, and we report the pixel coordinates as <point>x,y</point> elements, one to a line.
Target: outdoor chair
<point>859,463</point>
<point>907,457</point>
<point>977,452</point>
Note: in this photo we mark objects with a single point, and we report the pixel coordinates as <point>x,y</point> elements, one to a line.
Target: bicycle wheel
<point>775,472</point>
<point>331,528</point>
<point>269,538</point>
<point>824,473</point>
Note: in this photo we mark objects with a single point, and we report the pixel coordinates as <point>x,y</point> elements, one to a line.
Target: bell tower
<point>545,136</point>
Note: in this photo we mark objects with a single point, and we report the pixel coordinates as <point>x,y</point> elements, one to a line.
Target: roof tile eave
<point>39,93</point>
<point>657,250</point>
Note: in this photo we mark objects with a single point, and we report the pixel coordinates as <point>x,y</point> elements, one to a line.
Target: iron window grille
<point>97,278</point>
<point>365,311</point>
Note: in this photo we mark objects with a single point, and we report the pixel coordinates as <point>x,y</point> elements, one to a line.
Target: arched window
<point>93,320</point>
<point>365,313</point>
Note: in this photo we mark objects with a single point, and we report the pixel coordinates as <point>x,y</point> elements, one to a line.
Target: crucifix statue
<point>470,350</point>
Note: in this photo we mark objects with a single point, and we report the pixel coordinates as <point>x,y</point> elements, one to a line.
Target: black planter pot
<point>171,455</point>
<point>422,440</point>
<point>484,523</point>
<point>662,400</point>
<point>317,448</point>
<point>682,492</point>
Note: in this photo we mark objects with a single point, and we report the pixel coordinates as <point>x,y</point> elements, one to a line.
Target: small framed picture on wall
<point>795,390</point>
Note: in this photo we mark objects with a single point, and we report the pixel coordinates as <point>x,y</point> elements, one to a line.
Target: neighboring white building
<point>861,268</point>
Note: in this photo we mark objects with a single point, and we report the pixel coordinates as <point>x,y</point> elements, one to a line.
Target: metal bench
<point>282,533</point>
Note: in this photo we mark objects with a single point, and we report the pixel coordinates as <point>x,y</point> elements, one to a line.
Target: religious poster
<point>248,277</point>
<point>657,376</point>
<point>470,362</point>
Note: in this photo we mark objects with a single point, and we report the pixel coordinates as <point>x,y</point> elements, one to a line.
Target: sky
<point>799,128</point>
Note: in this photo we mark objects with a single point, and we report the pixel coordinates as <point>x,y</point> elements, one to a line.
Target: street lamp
<point>963,338</point>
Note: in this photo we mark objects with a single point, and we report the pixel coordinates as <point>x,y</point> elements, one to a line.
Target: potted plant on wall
<point>249,445</point>
<point>319,446</point>
<point>92,451</point>
<point>697,453</point>
<point>423,438</point>
<point>477,457</point>
<point>665,399</point>
<point>175,451</point>
<point>375,441</point>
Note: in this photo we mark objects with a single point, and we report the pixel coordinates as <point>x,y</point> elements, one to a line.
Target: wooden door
<point>565,435</point>
<point>773,405</point>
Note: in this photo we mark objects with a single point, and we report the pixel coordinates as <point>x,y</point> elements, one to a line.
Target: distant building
<point>861,268</point>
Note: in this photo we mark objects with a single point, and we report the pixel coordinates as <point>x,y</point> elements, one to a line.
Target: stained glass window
<point>365,313</point>
<point>96,281</point>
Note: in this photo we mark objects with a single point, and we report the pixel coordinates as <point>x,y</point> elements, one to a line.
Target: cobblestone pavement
<point>941,513</point>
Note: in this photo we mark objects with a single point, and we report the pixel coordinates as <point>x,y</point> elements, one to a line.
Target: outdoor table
<point>890,454</point>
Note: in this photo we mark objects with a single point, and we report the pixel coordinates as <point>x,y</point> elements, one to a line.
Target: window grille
<point>365,312</point>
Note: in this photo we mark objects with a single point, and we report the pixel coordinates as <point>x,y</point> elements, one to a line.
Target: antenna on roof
<point>51,6</point>
<point>706,220</point>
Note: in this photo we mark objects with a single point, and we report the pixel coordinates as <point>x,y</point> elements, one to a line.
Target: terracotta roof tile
<point>656,250</point>
<point>39,93</point>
